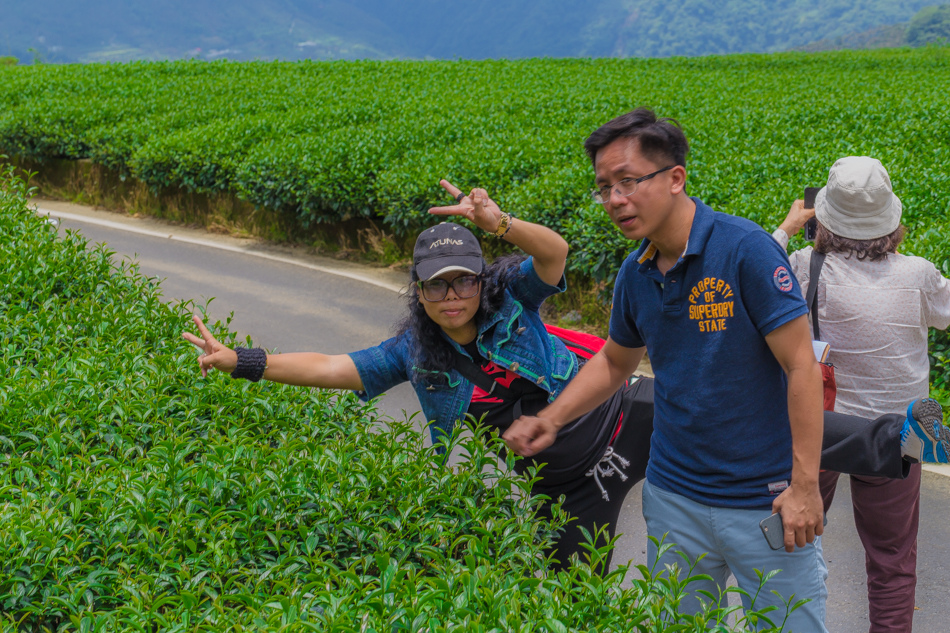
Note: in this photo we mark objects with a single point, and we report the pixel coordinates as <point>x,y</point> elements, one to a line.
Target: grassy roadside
<point>344,157</point>
<point>585,306</point>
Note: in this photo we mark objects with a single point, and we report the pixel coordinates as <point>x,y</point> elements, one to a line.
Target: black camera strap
<point>811,297</point>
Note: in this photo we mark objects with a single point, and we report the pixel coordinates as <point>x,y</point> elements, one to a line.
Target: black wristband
<point>251,363</point>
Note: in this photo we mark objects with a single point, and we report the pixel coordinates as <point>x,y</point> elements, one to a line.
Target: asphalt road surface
<point>289,301</point>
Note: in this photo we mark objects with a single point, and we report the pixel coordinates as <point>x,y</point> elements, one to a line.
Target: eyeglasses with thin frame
<point>465,286</point>
<point>625,187</point>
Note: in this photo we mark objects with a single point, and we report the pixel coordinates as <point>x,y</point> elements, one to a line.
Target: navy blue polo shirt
<point>721,429</point>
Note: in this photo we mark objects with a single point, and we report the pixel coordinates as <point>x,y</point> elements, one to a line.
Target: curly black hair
<point>433,353</point>
<point>875,250</point>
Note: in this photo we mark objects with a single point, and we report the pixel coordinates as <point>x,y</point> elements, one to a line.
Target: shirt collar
<point>702,227</point>
<point>647,252</point>
<point>698,236</point>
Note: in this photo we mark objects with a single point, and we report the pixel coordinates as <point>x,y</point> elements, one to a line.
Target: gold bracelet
<point>504,225</point>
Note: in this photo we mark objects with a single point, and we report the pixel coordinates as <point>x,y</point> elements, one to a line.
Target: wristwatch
<point>504,225</point>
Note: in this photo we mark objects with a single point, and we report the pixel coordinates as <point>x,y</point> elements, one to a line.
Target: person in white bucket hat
<point>858,202</point>
<point>874,307</point>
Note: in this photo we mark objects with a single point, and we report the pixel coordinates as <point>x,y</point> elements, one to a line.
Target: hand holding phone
<point>774,531</point>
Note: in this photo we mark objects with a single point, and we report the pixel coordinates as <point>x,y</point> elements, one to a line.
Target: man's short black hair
<point>660,140</point>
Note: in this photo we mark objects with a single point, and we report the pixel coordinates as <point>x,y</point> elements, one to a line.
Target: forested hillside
<point>85,30</point>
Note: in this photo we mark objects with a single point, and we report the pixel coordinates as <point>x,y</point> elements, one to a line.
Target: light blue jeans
<point>733,542</point>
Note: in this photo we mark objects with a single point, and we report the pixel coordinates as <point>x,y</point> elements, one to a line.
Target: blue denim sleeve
<point>530,290</point>
<point>383,366</point>
<point>769,289</point>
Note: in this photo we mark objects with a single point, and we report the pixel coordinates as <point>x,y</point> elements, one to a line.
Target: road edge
<point>252,248</point>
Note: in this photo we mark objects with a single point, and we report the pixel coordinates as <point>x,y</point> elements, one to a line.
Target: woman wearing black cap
<point>473,324</point>
<point>474,343</point>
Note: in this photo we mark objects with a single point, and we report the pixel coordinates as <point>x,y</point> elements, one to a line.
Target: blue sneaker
<point>924,438</point>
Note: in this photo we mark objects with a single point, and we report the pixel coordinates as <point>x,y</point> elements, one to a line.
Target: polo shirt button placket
<point>671,294</point>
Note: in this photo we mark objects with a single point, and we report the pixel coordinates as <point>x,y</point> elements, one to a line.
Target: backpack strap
<point>811,297</point>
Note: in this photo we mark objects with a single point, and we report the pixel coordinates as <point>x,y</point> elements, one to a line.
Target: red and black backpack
<point>583,345</point>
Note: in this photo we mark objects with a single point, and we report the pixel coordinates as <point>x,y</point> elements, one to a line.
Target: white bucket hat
<point>858,201</point>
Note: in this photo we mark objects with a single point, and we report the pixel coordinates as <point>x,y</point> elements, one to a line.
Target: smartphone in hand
<point>812,225</point>
<point>774,531</point>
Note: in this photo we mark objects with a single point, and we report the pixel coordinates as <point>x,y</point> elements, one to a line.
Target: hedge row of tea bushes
<point>136,496</point>
<point>330,140</point>
<point>325,141</point>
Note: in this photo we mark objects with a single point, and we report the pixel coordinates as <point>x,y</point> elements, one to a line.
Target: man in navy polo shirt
<point>738,396</point>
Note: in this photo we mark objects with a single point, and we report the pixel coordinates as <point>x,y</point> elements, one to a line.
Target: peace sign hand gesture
<point>216,355</point>
<point>476,206</point>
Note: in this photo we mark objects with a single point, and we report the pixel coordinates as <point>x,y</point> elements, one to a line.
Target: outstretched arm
<point>303,369</point>
<point>603,374</point>
<point>548,249</point>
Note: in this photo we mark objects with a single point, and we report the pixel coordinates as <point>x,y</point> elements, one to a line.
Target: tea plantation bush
<point>136,496</point>
<point>330,140</point>
<point>326,141</point>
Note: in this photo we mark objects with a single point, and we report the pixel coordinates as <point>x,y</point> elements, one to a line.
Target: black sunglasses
<point>437,289</point>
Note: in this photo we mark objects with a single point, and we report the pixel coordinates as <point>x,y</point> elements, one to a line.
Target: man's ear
<point>677,180</point>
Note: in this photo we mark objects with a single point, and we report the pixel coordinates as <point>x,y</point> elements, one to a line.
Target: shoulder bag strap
<point>811,298</point>
<point>470,369</point>
<point>529,404</point>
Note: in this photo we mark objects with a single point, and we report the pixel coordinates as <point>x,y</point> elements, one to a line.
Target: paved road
<point>293,307</point>
<point>282,306</point>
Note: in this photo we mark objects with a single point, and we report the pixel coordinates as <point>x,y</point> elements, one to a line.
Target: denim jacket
<point>513,338</point>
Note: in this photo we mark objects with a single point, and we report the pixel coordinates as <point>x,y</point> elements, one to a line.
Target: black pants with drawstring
<point>851,445</point>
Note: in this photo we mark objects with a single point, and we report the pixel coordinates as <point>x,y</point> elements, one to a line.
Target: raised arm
<point>797,216</point>
<point>306,369</point>
<point>548,249</point>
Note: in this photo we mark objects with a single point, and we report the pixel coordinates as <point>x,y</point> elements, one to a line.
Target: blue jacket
<point>513,338</point>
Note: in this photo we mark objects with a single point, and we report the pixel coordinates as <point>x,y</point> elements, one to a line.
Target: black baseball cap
<point>446,247</point>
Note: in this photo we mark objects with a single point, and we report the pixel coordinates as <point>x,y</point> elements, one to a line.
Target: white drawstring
<point>606,467</point>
